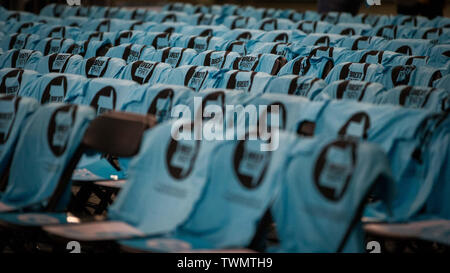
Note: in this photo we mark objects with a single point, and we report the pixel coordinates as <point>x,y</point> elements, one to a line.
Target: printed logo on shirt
<point>401,75</point>
<point>181,157</point>
<point>105,100</point>
<point>8,111</point>
<point>55,91</point>
<point>60,128</point>
<point>161,105</point>
<point>357,126</point>
<point>11,82</point>
<point>334,168</point>
<point>250,163</point>
<point>99,65</point>
<point>141,71</point>
<point>57,61</point>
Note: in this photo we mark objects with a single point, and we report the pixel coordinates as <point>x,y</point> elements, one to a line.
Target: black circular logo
<point>334,168</point>
<point>55,91</point>
<point>60,128</point>
<point>357,126</point>
<point>181,157</point>
<point>8,111</point>
<point>250,163</point>
<point>104,100</point>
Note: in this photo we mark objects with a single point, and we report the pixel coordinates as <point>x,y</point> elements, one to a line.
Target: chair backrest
<point>166,179</point>
<point>304,86</point>
<point>145,72</point>
<point>362,91</point>
<point>117,134</point>
<point>20,58</point>
<point>58,63</point>
<point>55,87</point>
<point>107,94</point>
<point>397,131</point>
<point>191,76</point>
<point>45,147</point>
<point>159,100</point>
<point>14,113</point>
<point>243,181</point>
<point>16,81</point>
<point>320,210</point>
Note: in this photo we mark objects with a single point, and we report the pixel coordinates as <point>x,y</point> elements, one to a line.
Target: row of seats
<point>245,15</point>
<point>190,194</point>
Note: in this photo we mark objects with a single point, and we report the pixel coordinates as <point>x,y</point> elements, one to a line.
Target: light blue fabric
<point>439,150</point>
<point>19,41</point>
<point>249,81</point>
<point>318,67</point>
<point>58,62</point>
<point>15,81</point>
<point>131,52</point>
<point>356,42</point>
<point>241,34</point>
<point>97,36</point>
<point>410,46</point>
<point>198,43</point>
<point>356,71</point>
<point>106,25</point>
<point>202,19</point>
<point>53,45</point>
<point>269,24</point>
<point>217,59</point>
<point>268,63</point>
<point>207,30</point>
<point>170,16</point>
<point>20,16</point>
<point>95,48</point>
<point>328,198</point>
<point>159,100</point>
<point>104,95</point>
<point>410,75</point>
<point>239,47</point>
<point>51,31</point>
<point>242,182</point>
<point>158,40</point>
<point>374,57</point>
<point>439,56</point>
<point>309,27</point>
<point>46,145</point>
<point>168,27</point>
<point>167,178</point>
<point>350,29</point>
<point>127,37</point>
<point>397,131</point>
<point>390,32</point>
<point>14,113</point>
<point>98,67</point>
<point>304,86</point>
<point>289,108</point>
<point>320,39</point>
<point>337,54</point>
<point>278,48</point>
<point>21,27</point>
<point>54,87</point>
<point>74,21</point>
<point>175,56</point>
<point>191,76</point>
<point>352,90</point>
<point>417,97</point>
<point>145,72</point>
<point>236,21</point>
<point>280,36</point>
